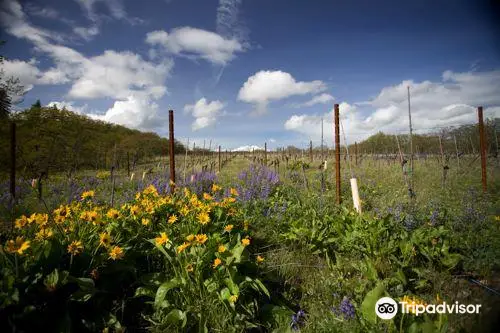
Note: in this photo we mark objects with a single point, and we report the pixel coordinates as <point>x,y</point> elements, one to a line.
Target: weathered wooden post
<point>482,143</point>
<point>171,150</point>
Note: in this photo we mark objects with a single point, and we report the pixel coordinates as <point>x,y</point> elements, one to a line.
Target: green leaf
<point>368,305</point>
<point>262,287</point>
<point>175,316</point>
<point>144,291</point>
<point>163,290</point>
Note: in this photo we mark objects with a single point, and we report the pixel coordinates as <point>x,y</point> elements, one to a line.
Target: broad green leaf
<point>163,290</point>
<point>175,316</point>
<point>368,305</point>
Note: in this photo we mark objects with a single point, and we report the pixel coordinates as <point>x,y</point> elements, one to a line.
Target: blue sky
<point>242,72</point>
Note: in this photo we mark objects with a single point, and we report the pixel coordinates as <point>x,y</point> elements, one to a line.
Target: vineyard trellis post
<point>219,158</point>
<point>13,160</point>
<point>311,150</point>
<point>171,150</point>
<point>337,153</point>
<point>456,151</point>
<point>265,154</point>
<point>482,143</point>
<point>356,153</point>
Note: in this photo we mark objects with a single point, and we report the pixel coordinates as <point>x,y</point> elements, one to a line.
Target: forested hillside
<point>49,139</point>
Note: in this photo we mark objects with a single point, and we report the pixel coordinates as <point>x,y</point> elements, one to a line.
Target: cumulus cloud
<point>204,112</point>
<point>319,99</point>
<point>266,86</point>
<point>133,112</point>
<point>196,43</point>
<point>124,76</point>
<point>452,101</point>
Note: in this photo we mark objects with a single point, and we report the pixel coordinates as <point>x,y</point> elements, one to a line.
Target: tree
<point>11,89</point>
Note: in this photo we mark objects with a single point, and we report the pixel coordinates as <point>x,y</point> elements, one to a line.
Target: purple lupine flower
<point>346,309</point>
<point>298,320</point>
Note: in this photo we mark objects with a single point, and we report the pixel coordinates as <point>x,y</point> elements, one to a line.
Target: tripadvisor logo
<point>387,308</point>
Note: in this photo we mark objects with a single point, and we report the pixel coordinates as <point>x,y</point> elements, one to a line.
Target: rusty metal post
<point>171,145</point>
<point>219,158</point>
<point>356,153</point>
<point>337,153</point>
<point>311,150</point>
<point>482,143</point>
<point>13,160</point>
<point>265,153</point>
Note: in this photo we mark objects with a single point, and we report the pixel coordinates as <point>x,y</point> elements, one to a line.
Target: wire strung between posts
<point>346,147</point>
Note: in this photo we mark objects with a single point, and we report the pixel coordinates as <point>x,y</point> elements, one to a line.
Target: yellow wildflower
<point>18,246</point>
<point>228,228</point>
<point>134,210</point>
<point>163,239</point>
<point>184,210</point>
<point>113,213</point>
<point>215,188</point>
<point>217,262</point>
<point>186,192</point>
<point>145,221</point>
<point>75,248</point>
<point>116,253</point>
<point>21,222</point>
<point>90,216</point>
<point>234,192</point>
<point>207,196</point>
<point>201,239</point>
<point>44,233</point>
<point>87,194</point>
<point>61,214</point>
<point>233,298</point>
<point>172,219</point>
<point>221,249</point>
<point>182,247</point>
<point>151,189</point>
<point>189,268</point>
<point>230,200</point>
<point>245,241</point>
<point>260,259</point>
<point>190,238</point>
<point>411,303</point>
<point>203,218</point>
<point>104,239</point>
<point>40,219</point>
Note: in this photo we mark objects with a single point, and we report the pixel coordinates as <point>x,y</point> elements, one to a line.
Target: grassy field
<point>279,254</point>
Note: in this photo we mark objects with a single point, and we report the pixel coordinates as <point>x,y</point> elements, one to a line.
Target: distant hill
<point>49,139</point>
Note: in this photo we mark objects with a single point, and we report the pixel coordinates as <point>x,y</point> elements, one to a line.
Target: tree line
<point>54,140</point>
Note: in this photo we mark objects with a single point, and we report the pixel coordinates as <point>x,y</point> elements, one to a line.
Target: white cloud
<point>265,86</point>
<point>119,75</point>
<point>86,33</point>
<point>197,43</point>
<point>205,113</point>
<point>115,8</point>
<point>248,148</point>
<point>45,12</point>
<point>70,106</point>
<point>319,99</point>
<point>134,112</point>
<point>451,102</point>
<point>112,74</point>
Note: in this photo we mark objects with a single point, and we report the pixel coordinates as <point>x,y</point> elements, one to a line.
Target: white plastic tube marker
<point>355,195</point>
